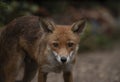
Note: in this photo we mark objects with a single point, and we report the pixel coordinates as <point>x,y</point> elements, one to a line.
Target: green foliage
<point>91,41</point>
<point>15,9</point>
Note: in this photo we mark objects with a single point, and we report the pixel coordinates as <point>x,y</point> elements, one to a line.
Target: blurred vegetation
<point>13,9</point>
<point>103,26</point>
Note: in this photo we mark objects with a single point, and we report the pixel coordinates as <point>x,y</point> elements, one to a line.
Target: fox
<point>41,45</point>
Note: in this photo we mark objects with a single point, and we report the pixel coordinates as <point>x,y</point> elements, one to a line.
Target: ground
<point>98,66</point>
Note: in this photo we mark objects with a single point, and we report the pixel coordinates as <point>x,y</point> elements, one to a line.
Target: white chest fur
<point>55,66</point>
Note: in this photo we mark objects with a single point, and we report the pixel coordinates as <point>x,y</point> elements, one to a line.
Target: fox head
<point>62,40</point>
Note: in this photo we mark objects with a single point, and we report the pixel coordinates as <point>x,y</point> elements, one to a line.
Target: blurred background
<point>99,47</point>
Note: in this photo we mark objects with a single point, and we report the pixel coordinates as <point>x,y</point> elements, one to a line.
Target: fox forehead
<point>63,33</point>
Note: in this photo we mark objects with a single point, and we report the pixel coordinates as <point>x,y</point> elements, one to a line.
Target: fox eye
<point>70,44</point>
<point>55,45</point>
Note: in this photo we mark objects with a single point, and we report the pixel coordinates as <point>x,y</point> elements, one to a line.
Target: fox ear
<point>79,26</point>
<point>46,25</point>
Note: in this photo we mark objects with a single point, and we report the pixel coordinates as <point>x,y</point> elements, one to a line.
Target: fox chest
<point>56,68</point>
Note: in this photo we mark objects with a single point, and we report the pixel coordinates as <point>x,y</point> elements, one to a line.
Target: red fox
<point>41,45</point>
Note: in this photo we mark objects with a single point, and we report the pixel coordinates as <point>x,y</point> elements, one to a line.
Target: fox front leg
<point>42,77</point>
<point>68,77</point>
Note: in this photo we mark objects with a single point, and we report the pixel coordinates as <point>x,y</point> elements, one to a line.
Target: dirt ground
<point>99,66</point>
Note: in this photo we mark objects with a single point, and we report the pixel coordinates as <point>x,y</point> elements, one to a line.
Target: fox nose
<point>63,59</point>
